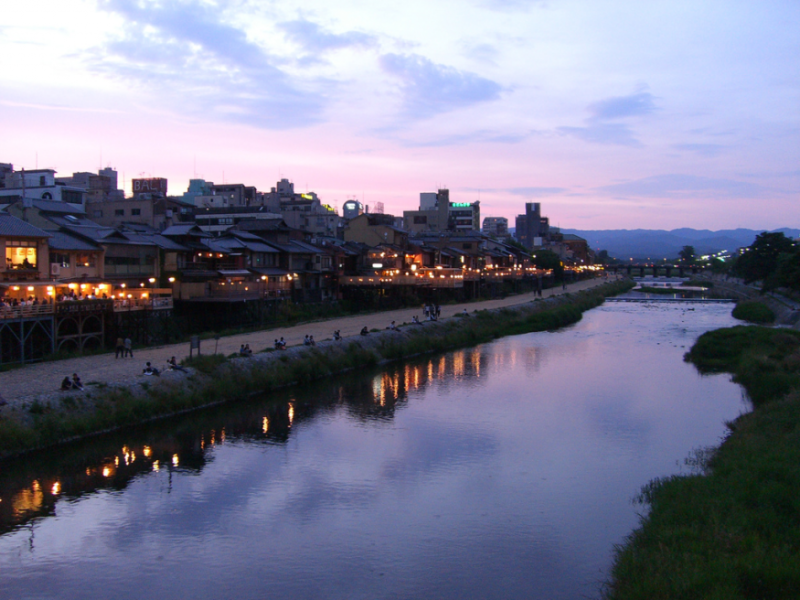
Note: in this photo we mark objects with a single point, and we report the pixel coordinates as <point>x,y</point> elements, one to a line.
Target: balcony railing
<point>26,312</point>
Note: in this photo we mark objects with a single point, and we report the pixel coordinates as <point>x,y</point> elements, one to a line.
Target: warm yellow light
<point>83,286</point>
<point>106,471</point>
<point>122,285</point>
<point>172,280</point>
<point>175,460</point>
<point>30,288</point>
<point>152,280</point>
<point>146,451</point>
<point>155,465</point>
<point>72,286</point>
<point>56,488</point>
<point>49,288</point>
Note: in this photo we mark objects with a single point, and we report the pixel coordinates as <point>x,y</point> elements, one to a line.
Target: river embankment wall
<point>214,379</point>
<point>785,309</point>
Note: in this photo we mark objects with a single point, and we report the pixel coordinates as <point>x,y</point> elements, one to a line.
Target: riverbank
<point>41,381</point>
<point>730,531</point>
<point>214,379</point>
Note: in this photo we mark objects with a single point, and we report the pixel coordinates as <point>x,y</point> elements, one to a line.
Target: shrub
<point>754,312</point>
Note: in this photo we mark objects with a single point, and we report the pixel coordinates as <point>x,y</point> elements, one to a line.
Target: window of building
<point>85,259</point>
<point>62,260</point>
<point>119,212</point>
<point>21,254</point>
<point>420,220</point>
<point>98,213</point>
<point>41,180</point>
<point>136,212</point>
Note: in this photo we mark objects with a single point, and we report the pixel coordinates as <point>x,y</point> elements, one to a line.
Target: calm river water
<point>503,471</point>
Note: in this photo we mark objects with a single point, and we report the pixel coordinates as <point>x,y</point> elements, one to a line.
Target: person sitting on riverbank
<point>282,343</point>
<point>77,384</point>
<point>337,336</point>
<point>415,320</point>
<point>393,326</point>
<point>66,384</point>
<point>245,350</point>
<point>311,341</point>
<point>174,366</point>
<point>150,370</point>
<point>306,341</point>
<point>365,331</point>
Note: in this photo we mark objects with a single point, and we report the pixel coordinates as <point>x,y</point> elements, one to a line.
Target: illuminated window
<point>21,255</point>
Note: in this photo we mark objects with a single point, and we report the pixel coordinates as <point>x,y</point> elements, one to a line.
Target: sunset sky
<point>613,114</point>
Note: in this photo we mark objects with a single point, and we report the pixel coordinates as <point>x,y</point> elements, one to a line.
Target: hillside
<point>658,244</point>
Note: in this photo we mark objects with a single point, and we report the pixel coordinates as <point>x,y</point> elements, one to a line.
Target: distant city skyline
<point>612,114</point>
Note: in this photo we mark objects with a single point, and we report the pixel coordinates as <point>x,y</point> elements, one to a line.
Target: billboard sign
<point>152,185</point>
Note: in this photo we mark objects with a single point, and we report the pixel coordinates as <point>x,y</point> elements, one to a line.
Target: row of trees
<point>772,259</point>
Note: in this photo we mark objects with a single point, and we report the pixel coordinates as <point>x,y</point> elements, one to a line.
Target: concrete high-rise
<point>532,228</point>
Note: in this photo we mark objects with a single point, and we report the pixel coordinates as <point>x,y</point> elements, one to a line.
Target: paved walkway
<point>31,381</point>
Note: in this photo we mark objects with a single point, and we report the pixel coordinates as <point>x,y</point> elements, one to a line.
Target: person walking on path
<point>128,348</point>
<point>120,348</point>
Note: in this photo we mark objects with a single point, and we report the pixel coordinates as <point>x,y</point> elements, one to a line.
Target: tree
<point>759,260</point>
<point>687,254</point>
<point>787,272</point>
<point>547,259</point>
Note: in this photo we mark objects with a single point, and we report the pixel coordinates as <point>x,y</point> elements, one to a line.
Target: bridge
<point>654,268</point>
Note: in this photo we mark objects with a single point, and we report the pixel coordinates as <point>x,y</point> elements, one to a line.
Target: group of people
<point>432,311</point>
<point>72,384</point>
<point>309,341</point>
<point>245,350</point>
<point>22,302</point>
<point>280,344</point>
<point>124,347</point>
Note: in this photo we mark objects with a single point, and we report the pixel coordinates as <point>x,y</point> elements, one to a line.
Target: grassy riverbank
<point>215,379</point>
<point>733,530</point>
<point>754,312</point>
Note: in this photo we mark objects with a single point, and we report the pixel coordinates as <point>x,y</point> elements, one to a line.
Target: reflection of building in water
<point>31,488</point>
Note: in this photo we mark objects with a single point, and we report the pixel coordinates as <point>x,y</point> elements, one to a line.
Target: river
<point>502,471</point>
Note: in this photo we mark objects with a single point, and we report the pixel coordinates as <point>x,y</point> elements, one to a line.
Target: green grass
<point>733,531</point>
<point>754,312</point>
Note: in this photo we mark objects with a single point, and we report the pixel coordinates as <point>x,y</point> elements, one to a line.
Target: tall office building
<point>532,228</point>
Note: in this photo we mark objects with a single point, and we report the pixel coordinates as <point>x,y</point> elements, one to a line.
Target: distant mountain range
<point>657,244</point>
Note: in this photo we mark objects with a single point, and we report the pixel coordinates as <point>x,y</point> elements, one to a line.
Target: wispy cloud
<point>193,60</point>
<point>460,139</point>
<point>623,106</point>
<point>603,133</point>
<point>314,39</point>
<point>531,192</point>
<point>430,89</point>
<point>510,5</point>
<point>677,185</point>
<point>602,126</point>
<point>701,149</point>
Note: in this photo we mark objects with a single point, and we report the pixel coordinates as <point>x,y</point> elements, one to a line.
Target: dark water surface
<point>502,471</point>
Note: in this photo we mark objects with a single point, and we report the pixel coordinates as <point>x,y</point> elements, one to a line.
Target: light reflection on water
<point>503,471</point>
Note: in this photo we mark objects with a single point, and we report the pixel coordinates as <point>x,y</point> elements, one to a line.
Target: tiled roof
<point>12,226</point>
<point>64,241</point>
